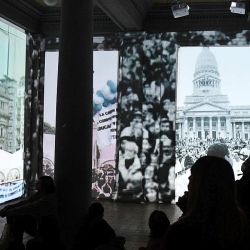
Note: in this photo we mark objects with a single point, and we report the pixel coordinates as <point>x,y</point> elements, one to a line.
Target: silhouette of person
<point>158,223</point>
<point>218,150</point>
<point>243,189</point>
<point>36,215</point>
<point>94,231</point>
<point>213,219</point>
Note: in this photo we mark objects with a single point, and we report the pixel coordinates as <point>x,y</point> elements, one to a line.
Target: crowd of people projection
<point>147,114</point>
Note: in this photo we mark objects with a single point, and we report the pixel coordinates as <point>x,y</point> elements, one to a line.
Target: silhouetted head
<point>212,201</point>
<point>211,184</point>
<point>158,223</point>
<point>219,150</point>
<point>96,210</point>
<point>188,162</point>
<point>46,185</point>
<point>245,167</point>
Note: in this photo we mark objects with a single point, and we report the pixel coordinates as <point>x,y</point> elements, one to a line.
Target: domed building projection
<point>207,114</point>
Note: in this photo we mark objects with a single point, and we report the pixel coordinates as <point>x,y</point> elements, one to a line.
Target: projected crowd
<point>147,114</point>
<point>188,151</point>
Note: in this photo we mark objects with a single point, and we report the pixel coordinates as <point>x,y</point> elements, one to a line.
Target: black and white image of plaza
<point>212,107</point>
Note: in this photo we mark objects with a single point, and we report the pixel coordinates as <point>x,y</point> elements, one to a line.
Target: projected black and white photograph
<point>104,119</point>
<point>213,108</point>
<point>104,123</point>
<point>12,92</point>
<point>146,117</point>
<point>49,126</point>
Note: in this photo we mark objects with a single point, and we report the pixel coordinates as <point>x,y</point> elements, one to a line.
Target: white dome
<point>206,62</point>
<point>206,76</point>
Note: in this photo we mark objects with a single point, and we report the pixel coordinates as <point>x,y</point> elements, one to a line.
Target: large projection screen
<point>105,73</point>
<point>12,90</point>
<point>213,107</point>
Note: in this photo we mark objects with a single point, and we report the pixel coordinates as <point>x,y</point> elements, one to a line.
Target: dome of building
<point>206,76</point>
<point>206,62</point>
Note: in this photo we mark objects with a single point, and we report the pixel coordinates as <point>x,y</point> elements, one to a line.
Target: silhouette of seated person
<point>94,231</point>
<point>158,223</point>
<point>218,150</point>
<point>213,219</point>
<point>36,215</point>
<point>243,189</point>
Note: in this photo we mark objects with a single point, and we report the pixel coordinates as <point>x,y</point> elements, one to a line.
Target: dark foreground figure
<point>95,233</point>
<point>158,224</point>
<point>213,219</point>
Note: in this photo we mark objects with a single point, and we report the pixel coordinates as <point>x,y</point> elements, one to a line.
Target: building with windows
<point>11,114</point>
<point>207,113</point>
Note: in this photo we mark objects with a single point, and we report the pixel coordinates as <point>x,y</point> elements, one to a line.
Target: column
<point>194,132</point>
<point>210,127</point>
<point>233,129</point>
<point>243,131</point>
<point>219,126</point>
<point>185,127</point>
<point>228,127</point>
<point>73,153</point>
<point>181,130</point>
<point>202,128</point>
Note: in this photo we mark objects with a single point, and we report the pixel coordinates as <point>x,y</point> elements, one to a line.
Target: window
<point>247,125</point>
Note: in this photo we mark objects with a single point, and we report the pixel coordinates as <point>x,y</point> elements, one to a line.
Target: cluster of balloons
<point>105,96</point>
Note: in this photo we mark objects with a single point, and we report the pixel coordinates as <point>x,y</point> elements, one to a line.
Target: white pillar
<point>233,129</point>
<point>202,128</point>
<point>219,124</point>
<point>194,126</point>
<point>210,127</point>
<point>181,130</point>
<point>243,131</point>
<point>185,127</point>
<point>228,127</point>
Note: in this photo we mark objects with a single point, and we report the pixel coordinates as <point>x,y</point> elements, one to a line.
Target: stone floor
<point>130,220</point>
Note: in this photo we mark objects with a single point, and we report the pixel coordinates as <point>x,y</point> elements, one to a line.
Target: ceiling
<point>41,2</point>
<point>127,15</point>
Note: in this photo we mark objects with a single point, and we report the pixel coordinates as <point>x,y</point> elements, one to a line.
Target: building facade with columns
<point>207,113</point>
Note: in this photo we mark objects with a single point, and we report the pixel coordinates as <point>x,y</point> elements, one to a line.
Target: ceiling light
<point>238,8</point>
<point>180,10</point>
<point>51,2</point>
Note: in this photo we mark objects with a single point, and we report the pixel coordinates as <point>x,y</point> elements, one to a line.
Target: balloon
<point>112,86</point>
<point>107,93</point>
<point>98,99</point>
